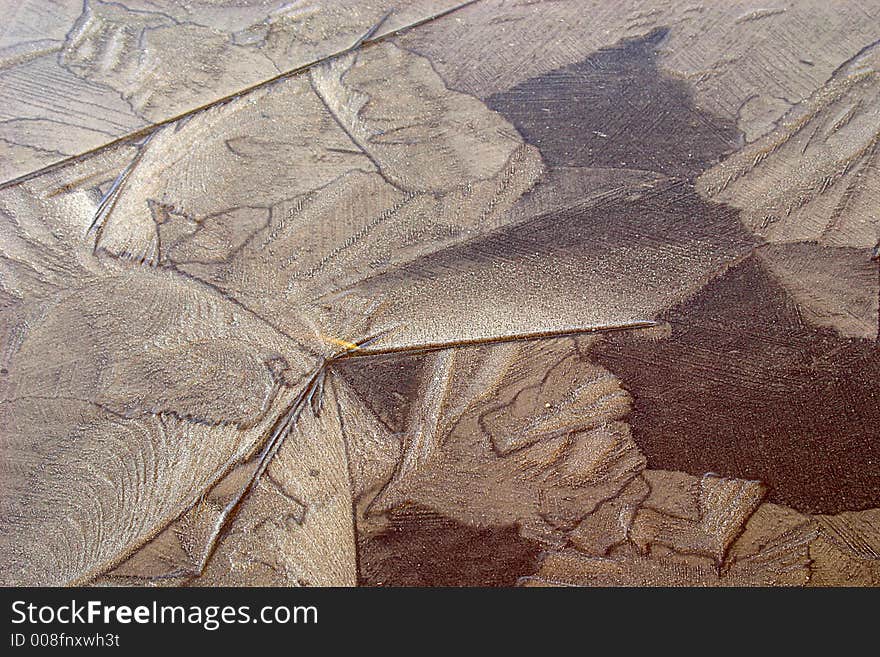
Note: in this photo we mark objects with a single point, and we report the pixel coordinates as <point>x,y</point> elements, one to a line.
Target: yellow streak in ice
<point>351,346</point>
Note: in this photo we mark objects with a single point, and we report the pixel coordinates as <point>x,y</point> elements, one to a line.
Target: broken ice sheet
<point>382,304</point>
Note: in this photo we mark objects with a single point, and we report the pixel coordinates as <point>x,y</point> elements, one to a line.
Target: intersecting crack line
<point>369,37</point>
<point>310,397</point>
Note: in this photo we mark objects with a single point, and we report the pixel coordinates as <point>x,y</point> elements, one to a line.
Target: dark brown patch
<point>422,548</point>
<point>745,388</point>
<point>617,109</point>
<point>388,384</point>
